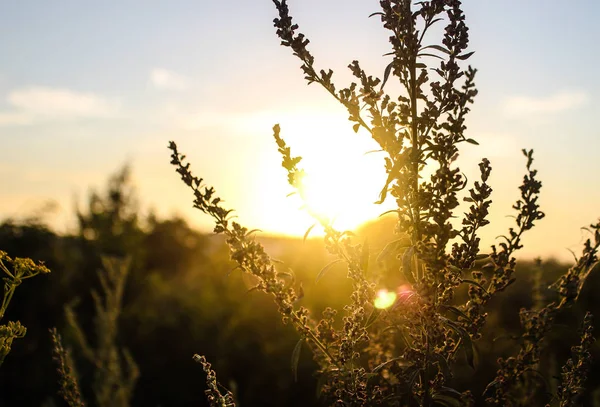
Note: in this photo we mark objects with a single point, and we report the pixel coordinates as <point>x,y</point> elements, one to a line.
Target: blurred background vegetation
<point>182,297</point>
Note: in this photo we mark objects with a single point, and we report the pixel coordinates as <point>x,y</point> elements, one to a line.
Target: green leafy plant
<point>115,371</point>
<point>405,355</point>
<point>15,270</point>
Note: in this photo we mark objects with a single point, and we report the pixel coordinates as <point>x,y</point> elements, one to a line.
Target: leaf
<point>392,247</point>
<point>364,257</point>
<point>437,48</point>
<point>382,365</point>
<point>253,231</point>
<point>466,56</point>
<point>232,270</point>
<point>320,383</point>
<point>374,151</point>
<point>378,13</point>
<point>300,294</point>
<point>324,269</point>
<point>384,190</point>
<point>386,212</point>
<point>407,265</point>
<point>586,277</point>
<point>455,269</point>
<point>290,194</point>
<point>373,316</point>
<point>456,312</point>
<point>444,367</point>
<point>425,54</point>
<point>386,73</point>
<point>471,141</point>
<point>475,283</point>
<point>308,231</point>
<point>296,358</point>
<point>355,127</point>
<point>465,340</point>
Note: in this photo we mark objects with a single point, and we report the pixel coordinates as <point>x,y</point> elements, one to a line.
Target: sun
<point>342,179</point>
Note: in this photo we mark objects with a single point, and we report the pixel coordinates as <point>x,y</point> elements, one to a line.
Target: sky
<point>88,86</point>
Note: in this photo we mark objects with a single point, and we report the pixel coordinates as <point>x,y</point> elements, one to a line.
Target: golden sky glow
<point>71,115</point>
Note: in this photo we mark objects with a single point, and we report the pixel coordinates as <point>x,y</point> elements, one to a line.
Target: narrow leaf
<point>586,277</point>
<point>465,340</point>
<point>386,73</point>
<point>456,312</point>
<point>253,231</point>
<point>391,247</point>
<point>308,231</point>
<point>374,151</point>
<point>443,363</point>
<point>437,48</point>
<point>382,365</point>
<point>475,283</point>
<point>364,257</point>
<point>324,269</point>
<point>386,212</point>
<point>471,141</point>
<point>373,317</point>
<point>407,265</point>
<point>466,56</point>
<point>425,54</point>
<point>296,358</point>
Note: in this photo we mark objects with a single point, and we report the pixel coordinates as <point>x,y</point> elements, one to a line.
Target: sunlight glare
<point>341,182</point>
<point>385,299</point>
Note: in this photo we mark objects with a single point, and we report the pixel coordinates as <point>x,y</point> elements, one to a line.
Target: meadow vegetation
<point>465,325</point>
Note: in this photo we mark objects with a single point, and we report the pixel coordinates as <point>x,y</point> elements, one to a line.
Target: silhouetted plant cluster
<point>15,271</point>
<point>115,371</point>
<point>405,355</point>
<point>416,350</point>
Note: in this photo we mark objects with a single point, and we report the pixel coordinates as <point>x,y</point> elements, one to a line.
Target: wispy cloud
<point>37,103</point>
<point>168,80</point>
<point>565,100</point>
<point>14,118</point>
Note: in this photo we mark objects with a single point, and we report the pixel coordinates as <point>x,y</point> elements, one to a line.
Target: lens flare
<point>385,299</point>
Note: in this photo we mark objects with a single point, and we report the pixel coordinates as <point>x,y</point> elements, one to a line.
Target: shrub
<point>404,353</point>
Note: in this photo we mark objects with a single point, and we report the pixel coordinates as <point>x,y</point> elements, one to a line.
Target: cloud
<point>38,103</point>
<point>14,118</point>
<point>561,101</point>
<point>168,80</point>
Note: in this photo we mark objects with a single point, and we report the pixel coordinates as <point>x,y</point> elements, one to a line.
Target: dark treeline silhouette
<point>182,297</point>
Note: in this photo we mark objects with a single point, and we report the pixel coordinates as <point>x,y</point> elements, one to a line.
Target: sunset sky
<point>88,86</point>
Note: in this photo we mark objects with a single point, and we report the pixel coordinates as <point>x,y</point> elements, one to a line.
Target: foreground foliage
<point>15,270</point>
<point>405,355</point>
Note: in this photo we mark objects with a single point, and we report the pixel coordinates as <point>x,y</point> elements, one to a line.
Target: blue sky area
<point>86,86</point>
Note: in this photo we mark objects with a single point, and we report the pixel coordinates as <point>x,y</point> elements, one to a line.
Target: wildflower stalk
<point>413,345</point>
<point>18,269</point>
<point>69,387</point>
<point>115,371</point>
<point>575,371</point>
<point>214,395</point>
<point>249,254</point>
